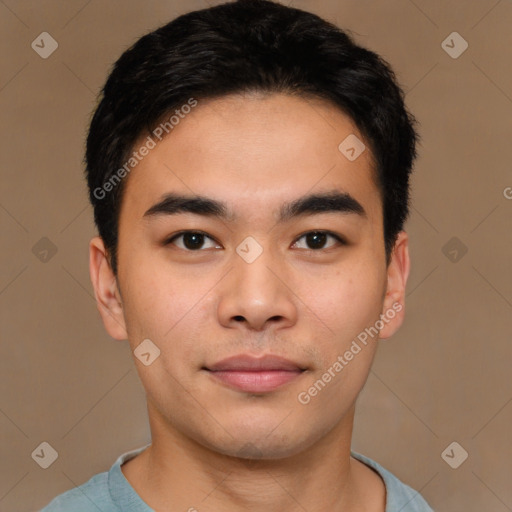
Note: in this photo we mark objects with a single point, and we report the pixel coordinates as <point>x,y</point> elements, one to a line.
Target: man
<point>249,169</point>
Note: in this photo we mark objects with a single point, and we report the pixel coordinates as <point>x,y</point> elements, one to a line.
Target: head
<point>232,123</point>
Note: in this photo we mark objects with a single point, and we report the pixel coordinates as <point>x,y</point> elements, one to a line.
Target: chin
<point>262,441</point>
<point>251,449</point>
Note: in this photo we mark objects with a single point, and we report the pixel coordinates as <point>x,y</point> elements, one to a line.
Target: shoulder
<point>107,491</point>
<point>92,496</point>
<point>399,496</point>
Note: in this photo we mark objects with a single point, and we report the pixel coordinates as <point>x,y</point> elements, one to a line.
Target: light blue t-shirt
<point>111,492</point>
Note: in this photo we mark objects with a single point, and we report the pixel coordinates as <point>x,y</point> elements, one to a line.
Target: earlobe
<point>106,292</point>
<point>393,311</point>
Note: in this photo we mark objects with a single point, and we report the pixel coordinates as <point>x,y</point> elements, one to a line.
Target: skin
<point>215,448</point>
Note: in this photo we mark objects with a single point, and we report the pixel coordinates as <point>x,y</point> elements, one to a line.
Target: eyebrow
<point>328,202</point>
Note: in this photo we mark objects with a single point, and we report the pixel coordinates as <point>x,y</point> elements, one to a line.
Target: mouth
<point>255,375</point>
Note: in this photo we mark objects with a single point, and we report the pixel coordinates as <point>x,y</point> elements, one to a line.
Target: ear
<point>108,298</point>
<point>393,310</point>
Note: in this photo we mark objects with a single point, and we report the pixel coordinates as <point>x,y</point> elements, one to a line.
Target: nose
<point>257,295</point>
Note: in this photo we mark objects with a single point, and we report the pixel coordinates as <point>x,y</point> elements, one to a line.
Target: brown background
<point>444,377</point>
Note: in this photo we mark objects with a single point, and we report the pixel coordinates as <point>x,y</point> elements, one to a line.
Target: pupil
<point>316,240</point>
<point>193,240</point>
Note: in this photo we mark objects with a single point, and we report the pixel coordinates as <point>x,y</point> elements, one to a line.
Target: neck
<point>177,473</point>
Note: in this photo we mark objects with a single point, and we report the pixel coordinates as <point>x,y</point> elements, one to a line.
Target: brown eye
<point>316,240</point>
<point>191,240</point>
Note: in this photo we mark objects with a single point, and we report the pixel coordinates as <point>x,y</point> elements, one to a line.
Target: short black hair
<point>242,47</point>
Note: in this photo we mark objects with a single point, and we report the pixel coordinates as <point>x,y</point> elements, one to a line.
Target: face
<point>283,257</point>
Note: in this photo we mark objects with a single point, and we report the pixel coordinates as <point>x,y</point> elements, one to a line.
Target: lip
<point>246,362</point>
<point>255,374</point>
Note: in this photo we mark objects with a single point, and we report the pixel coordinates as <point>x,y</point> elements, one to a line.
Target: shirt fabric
<point>110,491</point>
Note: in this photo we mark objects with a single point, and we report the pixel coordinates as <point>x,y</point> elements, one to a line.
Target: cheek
<point>344,303</point>
<point>348,304</point>
<point>166,305</point>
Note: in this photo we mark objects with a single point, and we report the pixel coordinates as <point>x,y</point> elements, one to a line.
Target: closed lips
<point>246,363</point>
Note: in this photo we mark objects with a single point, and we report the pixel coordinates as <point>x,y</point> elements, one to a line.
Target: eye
<point>195,240</point>
<point>191,240</point>
<point>317,240</point>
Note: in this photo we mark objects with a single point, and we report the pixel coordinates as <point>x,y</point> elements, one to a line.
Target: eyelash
<point>337,237</point>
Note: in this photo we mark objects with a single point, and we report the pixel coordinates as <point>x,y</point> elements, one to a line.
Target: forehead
<point>254,152</point>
